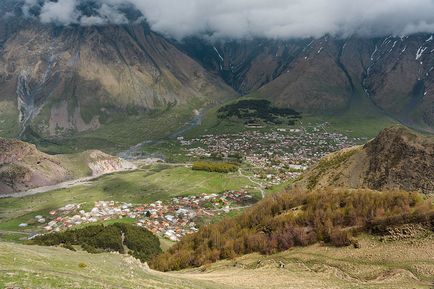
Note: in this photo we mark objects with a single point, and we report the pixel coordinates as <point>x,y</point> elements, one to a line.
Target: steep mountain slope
<point>396,159</point>
<point>329,75</point>
<point>246,65</point>
<point>23,167</point>
<point>57,81</point>
<point>314,81</point>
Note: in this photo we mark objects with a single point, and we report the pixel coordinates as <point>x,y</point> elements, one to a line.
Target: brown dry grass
<point>396,264</point>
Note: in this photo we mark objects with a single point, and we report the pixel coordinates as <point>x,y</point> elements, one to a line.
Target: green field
<point>158,182</point>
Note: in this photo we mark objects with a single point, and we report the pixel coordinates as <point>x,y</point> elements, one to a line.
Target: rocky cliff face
<point>396,159</point>
<point>23,167</point>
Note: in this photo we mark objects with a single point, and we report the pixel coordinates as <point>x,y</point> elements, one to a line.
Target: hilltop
<point>23,166</point>
<point>396,159</point>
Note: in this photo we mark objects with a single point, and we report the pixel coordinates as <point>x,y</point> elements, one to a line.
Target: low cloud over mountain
<point>246,18</point>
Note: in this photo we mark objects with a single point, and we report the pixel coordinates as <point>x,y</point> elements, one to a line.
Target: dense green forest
<point>284,220</point>
<point>253,110</point>
<point>137,242</point>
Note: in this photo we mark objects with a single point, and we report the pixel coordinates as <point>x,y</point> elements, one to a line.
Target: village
<point>271,156</point>
<point>172,220</point>
<point>275,155</point>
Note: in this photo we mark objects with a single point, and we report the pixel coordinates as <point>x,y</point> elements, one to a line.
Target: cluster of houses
<point>171,220</point>
<point>279,154</point>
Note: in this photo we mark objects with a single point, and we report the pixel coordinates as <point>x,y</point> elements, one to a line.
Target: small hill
<point>298,219</point>
<point>23,166</point>
<point>396,159</point>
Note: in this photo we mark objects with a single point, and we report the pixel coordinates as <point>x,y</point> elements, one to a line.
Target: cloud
<point>252,18</point>
<point>82,12</point>
<point>63,11</point>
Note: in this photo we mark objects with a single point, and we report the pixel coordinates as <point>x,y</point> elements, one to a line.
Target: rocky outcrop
<point>23,167</point>
<point>102,163</point>
<point>397,159</point>
<point>401,159</point>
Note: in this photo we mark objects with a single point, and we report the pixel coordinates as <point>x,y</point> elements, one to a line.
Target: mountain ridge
<point>397,159</point>
<point>61,82</point>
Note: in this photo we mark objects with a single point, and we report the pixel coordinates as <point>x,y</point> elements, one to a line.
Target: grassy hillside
<point>376,264</point>
<point>48,267</point>
<point>291,219</point>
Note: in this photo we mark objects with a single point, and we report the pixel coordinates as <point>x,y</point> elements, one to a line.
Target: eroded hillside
<point>23,167</point>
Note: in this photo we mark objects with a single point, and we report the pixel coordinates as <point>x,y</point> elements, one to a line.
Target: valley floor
<point>407,263</point>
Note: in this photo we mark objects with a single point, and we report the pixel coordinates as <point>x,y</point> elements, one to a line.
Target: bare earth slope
<point>23,167</point>
<point>396,159</point>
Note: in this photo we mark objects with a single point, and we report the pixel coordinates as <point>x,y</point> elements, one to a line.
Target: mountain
<point>23,167</point>
<point>60,81</point>
<point>329,75</point>
<point>113,86</point>
<point>397,159</point>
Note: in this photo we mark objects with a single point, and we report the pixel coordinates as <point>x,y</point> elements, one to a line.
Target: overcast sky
<point>255,18</point>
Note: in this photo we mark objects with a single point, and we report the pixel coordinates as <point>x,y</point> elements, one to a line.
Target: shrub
<point>82,265</point>
<point>340,238</point>
<point>68,246</point>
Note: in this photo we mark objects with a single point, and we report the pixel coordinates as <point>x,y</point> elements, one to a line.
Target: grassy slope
<point>396,264</point>
<point>154,183</point>
<point>361,119</point>
<point>374,265</point>
<point>9,126</point>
